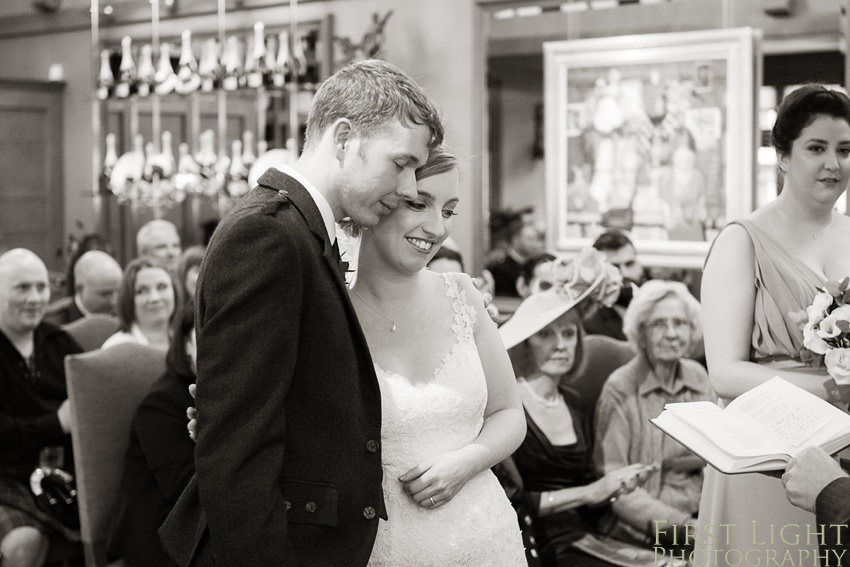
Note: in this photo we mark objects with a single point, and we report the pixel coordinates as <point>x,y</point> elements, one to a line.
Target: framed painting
<point>652,134</point>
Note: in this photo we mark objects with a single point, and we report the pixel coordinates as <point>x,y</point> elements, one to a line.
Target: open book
<point>761,430</point>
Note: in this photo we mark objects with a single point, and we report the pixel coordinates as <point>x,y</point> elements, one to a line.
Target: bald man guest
<point>34,411</point>
<point>159,238</point>
<point>97,277</point>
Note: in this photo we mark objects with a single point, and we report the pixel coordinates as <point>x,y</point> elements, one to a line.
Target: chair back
<point>105,387</point>
<point>602,356</point>
<point>91,332</point>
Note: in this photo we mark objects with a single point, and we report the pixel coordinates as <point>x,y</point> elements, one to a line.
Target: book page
<point>782,408</point>
<point>735,436</point>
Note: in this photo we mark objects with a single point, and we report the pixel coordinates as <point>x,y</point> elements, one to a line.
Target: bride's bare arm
<point>728,298</point>
<point>504,419</point>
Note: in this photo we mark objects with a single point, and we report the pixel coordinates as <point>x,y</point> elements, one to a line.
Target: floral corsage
<point>588,269</point>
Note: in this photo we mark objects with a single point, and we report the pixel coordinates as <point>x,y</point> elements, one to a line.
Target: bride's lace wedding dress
<point>478,527</point>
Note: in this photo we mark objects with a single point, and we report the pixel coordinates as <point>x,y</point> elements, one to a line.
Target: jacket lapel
<point>306,206</point>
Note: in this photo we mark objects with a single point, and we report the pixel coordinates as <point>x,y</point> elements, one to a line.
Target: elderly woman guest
<point>560,488</point>
<point>662,323</point>
<point>146,302</point>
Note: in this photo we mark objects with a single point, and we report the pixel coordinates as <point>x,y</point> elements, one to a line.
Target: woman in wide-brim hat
<point>560,491</point>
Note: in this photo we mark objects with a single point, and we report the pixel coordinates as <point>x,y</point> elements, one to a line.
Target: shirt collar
<point>683,380</point>
<point>139,335</point>
<point>322,203</point>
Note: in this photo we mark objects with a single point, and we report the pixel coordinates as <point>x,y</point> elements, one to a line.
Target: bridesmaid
<point>760,270</point>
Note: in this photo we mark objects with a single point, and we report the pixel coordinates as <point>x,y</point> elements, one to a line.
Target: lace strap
<point>464,320</point>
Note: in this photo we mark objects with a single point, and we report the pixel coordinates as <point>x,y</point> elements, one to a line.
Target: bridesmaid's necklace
<point>379,312</point>
<point>815,235</point>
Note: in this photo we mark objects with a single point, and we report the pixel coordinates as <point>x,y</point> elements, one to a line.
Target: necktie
<point>336,249</point>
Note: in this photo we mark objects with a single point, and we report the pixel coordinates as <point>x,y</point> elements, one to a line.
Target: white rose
<point>812,341</point>
<point>828,327</point>
<point>838,365</point>
<point>817,310</point>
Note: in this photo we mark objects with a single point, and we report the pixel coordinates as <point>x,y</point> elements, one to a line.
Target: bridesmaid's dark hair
<point>799,109</point>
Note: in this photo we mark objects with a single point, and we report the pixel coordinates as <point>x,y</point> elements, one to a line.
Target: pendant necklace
<point>547,402</point>
<point>390,319</point>
<point>815,235</point>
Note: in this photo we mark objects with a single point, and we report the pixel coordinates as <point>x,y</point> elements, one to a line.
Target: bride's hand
<point>435,481</point>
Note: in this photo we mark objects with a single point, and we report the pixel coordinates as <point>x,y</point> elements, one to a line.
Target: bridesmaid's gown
<point>748,512</point>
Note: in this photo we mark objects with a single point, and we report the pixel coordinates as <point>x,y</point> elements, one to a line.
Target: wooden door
<point>31,193</point>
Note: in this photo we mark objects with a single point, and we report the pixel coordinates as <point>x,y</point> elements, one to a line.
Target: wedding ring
<point>431,498</point>
<point>782,479</point>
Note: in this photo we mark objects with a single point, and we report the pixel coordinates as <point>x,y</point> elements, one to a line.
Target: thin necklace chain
<point>548,402</point>
<point>815,235</point>
<point>379,312</point>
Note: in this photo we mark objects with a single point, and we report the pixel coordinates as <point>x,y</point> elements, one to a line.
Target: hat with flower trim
<point>587,275</point>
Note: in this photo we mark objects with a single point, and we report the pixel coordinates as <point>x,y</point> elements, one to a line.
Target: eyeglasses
<point>661,325</point>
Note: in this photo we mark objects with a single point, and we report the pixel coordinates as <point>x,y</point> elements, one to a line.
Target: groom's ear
<point>341,131</point>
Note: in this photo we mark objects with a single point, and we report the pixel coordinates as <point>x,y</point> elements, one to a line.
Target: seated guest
<point>561,492</point>
<point>97,276</point>
<point>524,241</point>
<point>87,243</point>
<point>662,323</point>
<point>622,254</point>
<point>535,274</point>
<point>187,273</point>
<point>159,238</point>
<point>35,417</point>
<point>145,305</point>
<point>160,458</point>
<point>446,260</point>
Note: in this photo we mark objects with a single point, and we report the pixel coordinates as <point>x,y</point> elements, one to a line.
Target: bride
<point>450,407</point>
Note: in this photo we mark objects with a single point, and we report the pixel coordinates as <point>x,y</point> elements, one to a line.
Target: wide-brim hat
<point>587,275</point>
<point>538,310</point>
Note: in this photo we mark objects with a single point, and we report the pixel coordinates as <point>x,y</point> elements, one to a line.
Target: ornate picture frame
<point>654,134</point>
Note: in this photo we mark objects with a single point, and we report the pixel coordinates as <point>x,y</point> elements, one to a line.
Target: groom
<point>288,455</point>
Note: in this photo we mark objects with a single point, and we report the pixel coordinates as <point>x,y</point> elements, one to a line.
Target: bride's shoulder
<point>441,281</point>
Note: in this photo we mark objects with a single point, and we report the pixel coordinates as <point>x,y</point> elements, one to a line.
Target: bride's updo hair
<point>799,109</point>
<point>440,160</point>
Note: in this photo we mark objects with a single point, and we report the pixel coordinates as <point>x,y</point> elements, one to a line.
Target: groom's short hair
<point>370,93</point>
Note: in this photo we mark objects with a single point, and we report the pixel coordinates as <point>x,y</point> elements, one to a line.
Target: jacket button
<point>287,504</point>
<point>372,446</point>
<point>369,513</point>
<point>311,507</point>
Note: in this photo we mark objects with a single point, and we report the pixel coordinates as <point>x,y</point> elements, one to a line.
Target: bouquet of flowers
<point>826,330</point>
<point>588,269</point>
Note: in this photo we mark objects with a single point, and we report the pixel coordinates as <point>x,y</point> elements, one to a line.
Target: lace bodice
<point>478,526</point>
<point>410,430</point>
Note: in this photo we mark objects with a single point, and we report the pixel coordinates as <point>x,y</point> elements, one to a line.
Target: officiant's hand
<point>807,474</point>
